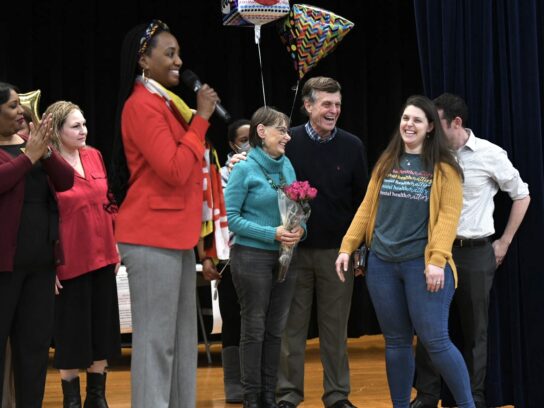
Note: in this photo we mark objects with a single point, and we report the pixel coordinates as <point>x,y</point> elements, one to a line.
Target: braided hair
<point>140,40</point>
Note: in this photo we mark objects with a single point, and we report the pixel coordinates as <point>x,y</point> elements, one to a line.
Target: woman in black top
<point>29,225</point>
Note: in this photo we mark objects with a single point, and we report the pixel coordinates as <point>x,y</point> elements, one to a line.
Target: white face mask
<point>243,148</point>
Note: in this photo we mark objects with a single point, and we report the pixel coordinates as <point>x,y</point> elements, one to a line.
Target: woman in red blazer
<point>29,171</point>
<point>158,161</point>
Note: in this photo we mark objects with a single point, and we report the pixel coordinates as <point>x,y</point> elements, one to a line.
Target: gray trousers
<point>164,332</point>
<point>315,270</point>
<point>476,270</point>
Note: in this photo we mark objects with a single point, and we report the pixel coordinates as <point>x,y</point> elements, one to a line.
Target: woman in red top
<point>86,332</point>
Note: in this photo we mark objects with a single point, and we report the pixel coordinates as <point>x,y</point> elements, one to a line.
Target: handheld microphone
<point>190,79</point>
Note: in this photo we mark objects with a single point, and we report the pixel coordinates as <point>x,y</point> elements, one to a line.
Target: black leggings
<point>26,316</point>
<point>230,310</point>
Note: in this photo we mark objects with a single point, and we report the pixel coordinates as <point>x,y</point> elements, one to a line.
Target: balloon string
<point>257,40</point>
<point>294,100</point>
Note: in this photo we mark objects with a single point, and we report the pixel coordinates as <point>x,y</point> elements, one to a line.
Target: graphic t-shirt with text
<point>400,231</point>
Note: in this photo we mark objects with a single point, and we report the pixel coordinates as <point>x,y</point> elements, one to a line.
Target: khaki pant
<point>315,271</point>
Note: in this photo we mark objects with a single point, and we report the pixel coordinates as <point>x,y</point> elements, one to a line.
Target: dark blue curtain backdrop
<point>491,53</point>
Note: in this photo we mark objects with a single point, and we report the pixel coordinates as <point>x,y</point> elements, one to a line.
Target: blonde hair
<point>59,112</point>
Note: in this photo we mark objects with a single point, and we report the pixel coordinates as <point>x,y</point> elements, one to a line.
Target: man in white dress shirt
<point>486,169</point>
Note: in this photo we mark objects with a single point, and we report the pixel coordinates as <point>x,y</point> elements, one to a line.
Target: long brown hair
<point>435,146</point>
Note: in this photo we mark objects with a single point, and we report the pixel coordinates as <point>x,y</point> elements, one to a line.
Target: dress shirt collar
<point>471,141</point>
<point>315,136</point>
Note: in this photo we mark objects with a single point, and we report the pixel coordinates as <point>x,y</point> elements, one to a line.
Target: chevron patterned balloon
<point>310,34</point>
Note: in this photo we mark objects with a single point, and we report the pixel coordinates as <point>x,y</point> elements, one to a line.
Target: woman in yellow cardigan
<point>409,219</point>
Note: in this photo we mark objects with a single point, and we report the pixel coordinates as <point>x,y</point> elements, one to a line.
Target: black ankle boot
<point>71,394</point>
<point>96,391</point>
<point>252,400</point>
<point>268,399</point>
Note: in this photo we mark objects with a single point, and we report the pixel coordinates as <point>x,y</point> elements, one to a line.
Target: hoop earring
<point>143,75</point>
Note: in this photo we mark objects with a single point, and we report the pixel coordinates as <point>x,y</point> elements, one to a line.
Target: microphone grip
<point>219,109</point>
<point>196,86</point>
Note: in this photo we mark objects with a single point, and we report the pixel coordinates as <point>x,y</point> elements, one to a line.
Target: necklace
<point>269,179</point>
<point>409,159</point>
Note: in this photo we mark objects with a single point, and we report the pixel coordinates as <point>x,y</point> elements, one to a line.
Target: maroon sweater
<point>12,193</point>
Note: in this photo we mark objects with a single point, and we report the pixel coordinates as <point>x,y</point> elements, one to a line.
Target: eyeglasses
<point>282,129</point>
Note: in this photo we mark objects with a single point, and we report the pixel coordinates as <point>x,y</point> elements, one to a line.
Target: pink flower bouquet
<point>295,209</point>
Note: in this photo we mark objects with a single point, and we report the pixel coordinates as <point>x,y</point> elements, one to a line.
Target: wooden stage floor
<point>367,365</point>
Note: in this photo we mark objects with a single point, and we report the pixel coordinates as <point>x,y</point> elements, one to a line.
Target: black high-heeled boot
<point>96,391</point>
<point>71,393</point>
<point>252,400</point>
<point>268,399</point>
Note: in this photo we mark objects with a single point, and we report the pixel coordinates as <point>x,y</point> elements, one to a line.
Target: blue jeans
<point>403,303</point>
<point>264,307</point>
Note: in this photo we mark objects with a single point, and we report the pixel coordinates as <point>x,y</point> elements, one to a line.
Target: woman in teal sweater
<point>254,218</point>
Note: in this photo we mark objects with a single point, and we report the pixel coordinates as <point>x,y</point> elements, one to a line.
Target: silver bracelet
<point>47,154</point>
